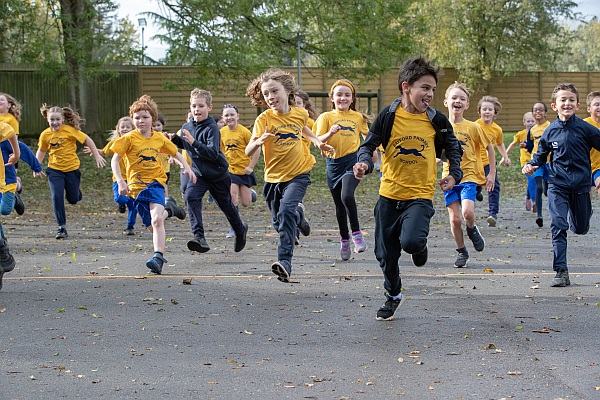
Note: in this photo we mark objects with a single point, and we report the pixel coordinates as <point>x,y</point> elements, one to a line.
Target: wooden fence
<point>170,87</point>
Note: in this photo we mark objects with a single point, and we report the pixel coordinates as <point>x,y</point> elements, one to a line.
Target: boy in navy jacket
<point>201,138</point>
<point>570,140</point>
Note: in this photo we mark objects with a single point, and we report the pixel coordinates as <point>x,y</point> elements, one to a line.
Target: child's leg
<point>558,206</point>
<point>220,191</point>
<point>340,211</point>
<point>288,217</point>
<point>193,198</point>
<point>493,196</point>
<point>387,243</point>
<point>72,185</point>
<point>183,182</point>
<point>539,188</point>
<point>349,184</point>
<point>454,215</point>
<point>415,225</point>
<point>131,213</point>
<point>56,182</point>
<point>531,187</point>
<point>245,195</point>
<point>7,204</point>
<point>158,216</point>
<point>234,191</point>
<point>580,212</point>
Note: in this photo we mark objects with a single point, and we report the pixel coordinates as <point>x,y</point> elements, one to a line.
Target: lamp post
<point>298,57</point>
<point>142,24</point>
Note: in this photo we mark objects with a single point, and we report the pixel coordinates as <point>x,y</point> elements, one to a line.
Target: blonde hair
<point>144,103</point>
<point>203,94</point>
<point>458,85</point>
<point>115,134</point>
<point>591,96</point>
<point>14,107</point>
<point>490,99</point>
<point>285,78</point>
<point>70,116</point>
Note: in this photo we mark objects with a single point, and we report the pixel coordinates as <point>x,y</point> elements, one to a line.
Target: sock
<point>396,297</point>
<point>462,250</point>
<point>159,253</point>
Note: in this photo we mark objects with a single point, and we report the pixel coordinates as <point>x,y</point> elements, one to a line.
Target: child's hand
<point>12,160</point>
<point>87,150</point>
<point>171,160</point>
<point>188,171</point>
<point>360,170</point>
<point>263,138</point>
<point>187,136</point>
<point>123,188</point>
<point>597,185</point>
<point>528,169</point>
<point>38,174</point>
<point>334,129</point>
<point>447,183</point>
<point>248,170</point>
<point>490,182</point>
<point>505,161</point>
<point>100,161</point>
<point>523,145</point>
<point>327,150</point>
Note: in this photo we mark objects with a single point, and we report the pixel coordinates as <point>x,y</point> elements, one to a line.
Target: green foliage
<point>478,38</point>
<point>583,53</point>
<point>361,37</point>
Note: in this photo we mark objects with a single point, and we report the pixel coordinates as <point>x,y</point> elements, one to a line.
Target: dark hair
<point>308,105</point>
<point>228,105</point>
<point>565,86</point>
<point>542,103</point>
<point>414,69</point>
<point>161,119</point>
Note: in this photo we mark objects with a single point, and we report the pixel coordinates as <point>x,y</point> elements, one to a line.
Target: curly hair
<point>70,116</point>
<point>14,107</point>
<point>144,103</point>
<point>308,105</point>
<point>285,78</point>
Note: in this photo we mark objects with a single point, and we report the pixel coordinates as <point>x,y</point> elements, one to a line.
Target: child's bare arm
<point>100,161</point>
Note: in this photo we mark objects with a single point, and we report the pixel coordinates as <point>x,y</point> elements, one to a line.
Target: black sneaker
<point>1,275</point>
<point>240,241</point>
<point>388,309</point>
<point>253,194</point>
<point>7,261</point>
<point>198,244</point>
<point>122,208</point>
<point>539,221</point>
<point>283,270</point>
<point>173,209</point>
<point>155,263</point>
<point>461,258</point>
<point>561,279</point>
<point>61,233</point>
<point>479,195</point>
<point>419,259</point>
<point>491,220</point>
<point>475,236</point>
<point>19,205</point>
<point>128,231</point>
<point>303,224</point>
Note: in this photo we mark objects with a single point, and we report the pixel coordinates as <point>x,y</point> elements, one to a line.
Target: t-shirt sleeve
<point>107,149</point>
<point>79,136</point>
<point>6,131</point>
<point>168,147</point>
<point>500,137</point>
<point>363,127</point>
<point>43,142</point>
<point>259,127</point>
<point>321,125</point>
<point>120,145</point>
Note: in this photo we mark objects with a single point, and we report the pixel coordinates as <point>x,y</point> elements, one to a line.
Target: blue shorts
<point>154,193</point>
<point>541,171</point>
<point>595,175</point>
<point>460,192</point>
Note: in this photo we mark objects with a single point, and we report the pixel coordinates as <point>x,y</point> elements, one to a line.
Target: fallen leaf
<point>519,328</point>
<point>488,270</point>
<point>187,281</point>
<point>73,257</point>
<point>60,310</point>
<point>82,308</point>
<point>490,346</point>
<point>174,301</point>
<point>545,330</point>
<point>535,287</point>
<point>248,332</point>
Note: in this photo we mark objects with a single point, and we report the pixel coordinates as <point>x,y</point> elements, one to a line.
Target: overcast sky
<point>156,50</point>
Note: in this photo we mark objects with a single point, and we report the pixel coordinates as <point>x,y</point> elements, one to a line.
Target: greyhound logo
<point>285,135</point>
<point>54,145</point>
<point>147,158</point>
<point>346,128</point>
<point>230,146</point>
<point>404,151</point>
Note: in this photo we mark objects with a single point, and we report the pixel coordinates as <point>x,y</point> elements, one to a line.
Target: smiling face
<point>539,113</point>
<point>528,121</point>
<point>125,126</point>
<point>55,120</point>
<point>565,104</point>
<point>4,104</point>
<point>299,101</point>
<point>457,102</point>
<point>342,98</point>
<point>158,126</point>
<point>199,108</point>
<point>275,96</point>
<point>594,109</point>
<point>143,121</point>
<point>487,112</point>
<point>417,97</point>
<point>230,117</point>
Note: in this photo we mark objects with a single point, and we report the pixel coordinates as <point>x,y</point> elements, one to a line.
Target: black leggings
<point>541,186</point>
<point>345,205</point>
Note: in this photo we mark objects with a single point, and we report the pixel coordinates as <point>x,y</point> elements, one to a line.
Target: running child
<point>145,177</point>
<point>201,139</point>
<point>342,128</point>
<point>159,126</point>
<point>10,113</point>
<point>413,135</point>
<point>460,200</point>
<point>7,261</point>
<point>278,131</point>
<point>234,139</point>
<point>593,108</point>
<point>570,140</point>
<point>540,175</point>
<point>488,108</point>
<point>520,139</point>
<point>60,140</point>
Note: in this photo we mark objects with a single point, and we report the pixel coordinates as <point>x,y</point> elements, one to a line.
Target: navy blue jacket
<point>207,159</point>
<point>570,143</point>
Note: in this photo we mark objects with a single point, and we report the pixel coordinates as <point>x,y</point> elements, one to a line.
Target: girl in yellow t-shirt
<point>342,128</point>
<point>278,131</point>
<point>234,139</point>
<point>520,139</point>
<point>60,142</point>
<point>145,176</point>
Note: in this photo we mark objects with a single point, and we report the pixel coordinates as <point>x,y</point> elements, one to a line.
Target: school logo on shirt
<point>285,135</point>
<point>55,143</point>
<point>347,127</point>
<point>409,149</point>
<point>230,146</point>
<point>147,156</point>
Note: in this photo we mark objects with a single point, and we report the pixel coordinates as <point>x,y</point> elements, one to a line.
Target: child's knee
<point>414,245</point>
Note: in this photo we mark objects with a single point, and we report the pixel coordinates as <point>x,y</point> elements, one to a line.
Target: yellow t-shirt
<point>519,138</point>
<point>107,151</point>
<point>10,119</point>
<point>408,163</point>
<point>594,154</point>
<point>142,156</point>
<point>347,139</point>
<point>233,145</point>
<point>6,132</point>
<point>284,155</point>
<point>61,146</point>
<point>536,133</point>
<point>472,139</point>
<point>493,132</point>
